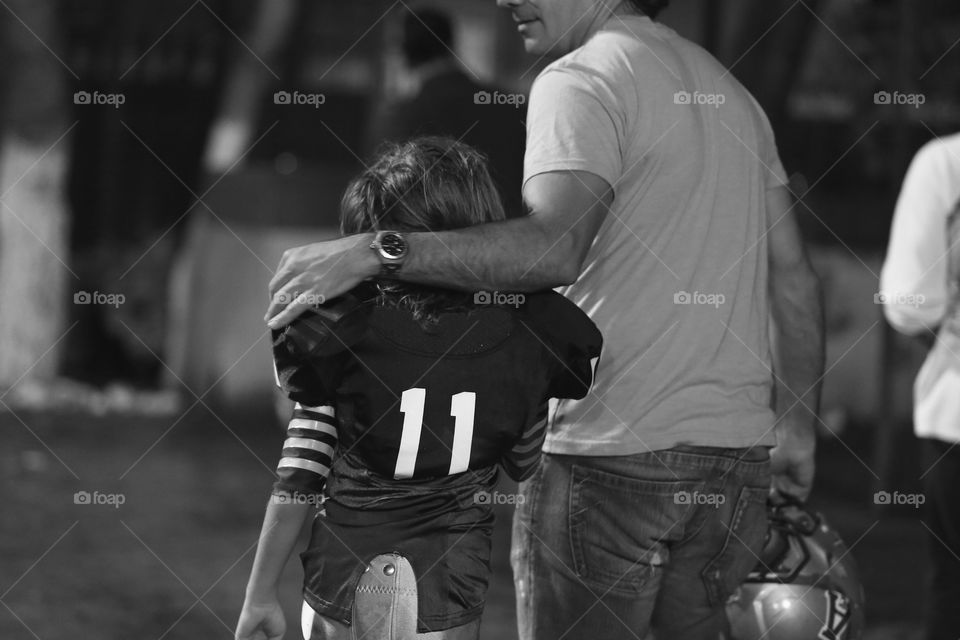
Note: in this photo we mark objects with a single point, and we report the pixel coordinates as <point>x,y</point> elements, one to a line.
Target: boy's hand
<point>261,621</point>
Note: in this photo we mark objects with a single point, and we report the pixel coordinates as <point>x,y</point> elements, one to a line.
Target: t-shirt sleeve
<point>776,175</point>
<point>572,125</point>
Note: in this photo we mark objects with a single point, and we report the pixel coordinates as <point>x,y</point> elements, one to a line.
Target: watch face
<point>393,245</point>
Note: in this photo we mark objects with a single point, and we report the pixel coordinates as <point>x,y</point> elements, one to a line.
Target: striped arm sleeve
<point>307,451</point>
<point>522,460</point>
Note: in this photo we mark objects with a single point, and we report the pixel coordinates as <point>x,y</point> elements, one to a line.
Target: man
<point>656,195</point>
<point>920,286</point>
<point>449,102</point>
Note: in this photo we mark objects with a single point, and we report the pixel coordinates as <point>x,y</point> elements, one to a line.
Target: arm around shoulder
<point>542,250</point>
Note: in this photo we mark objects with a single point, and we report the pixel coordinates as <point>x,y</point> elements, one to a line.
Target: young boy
<point>408,398</point>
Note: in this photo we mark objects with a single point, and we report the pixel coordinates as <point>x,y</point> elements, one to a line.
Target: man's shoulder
<point>940,149</point>
<point>615,56</point>
<point>598,57</point>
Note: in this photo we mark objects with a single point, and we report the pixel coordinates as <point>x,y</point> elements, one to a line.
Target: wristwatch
<point>391,248</point>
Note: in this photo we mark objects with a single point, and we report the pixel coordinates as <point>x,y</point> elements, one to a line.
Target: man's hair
<point>425,184</point>
<point>652,8</point>
<point>427,35</point>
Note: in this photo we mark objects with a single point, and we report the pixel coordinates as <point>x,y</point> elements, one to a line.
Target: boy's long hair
<point>425,184</point>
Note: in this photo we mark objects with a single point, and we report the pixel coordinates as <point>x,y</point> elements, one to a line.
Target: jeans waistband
<point>749,461</point>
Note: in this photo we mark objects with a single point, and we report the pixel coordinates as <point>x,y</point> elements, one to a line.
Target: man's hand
<point>261,621</point>
<point>310,274</point>
<point>792,460</point>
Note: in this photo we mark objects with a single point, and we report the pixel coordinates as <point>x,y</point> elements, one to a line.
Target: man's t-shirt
<point>411,422</point>
<point>677,276</point>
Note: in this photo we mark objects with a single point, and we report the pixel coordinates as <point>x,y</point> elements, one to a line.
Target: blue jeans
<point>610,547</point>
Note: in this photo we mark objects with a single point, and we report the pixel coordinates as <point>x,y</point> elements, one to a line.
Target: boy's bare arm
<point>262,616</point>
<point>281,528</point>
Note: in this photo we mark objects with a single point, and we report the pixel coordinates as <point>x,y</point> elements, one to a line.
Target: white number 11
<point>462,406</point>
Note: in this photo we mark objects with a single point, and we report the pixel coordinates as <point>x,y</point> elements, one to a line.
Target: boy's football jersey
<point>415,403</point>
<point>414,420</point>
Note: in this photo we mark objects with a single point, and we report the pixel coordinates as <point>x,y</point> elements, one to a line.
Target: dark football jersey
<point>414,420</point>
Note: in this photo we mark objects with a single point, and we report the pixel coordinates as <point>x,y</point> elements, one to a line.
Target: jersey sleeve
<point>312,432</point>
<point>521,460</point>
<point>307,451</point>
<point>572,343</point>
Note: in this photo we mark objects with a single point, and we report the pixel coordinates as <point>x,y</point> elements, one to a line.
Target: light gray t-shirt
<point>677,276</point>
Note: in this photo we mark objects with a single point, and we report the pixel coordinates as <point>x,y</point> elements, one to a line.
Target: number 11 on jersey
<point>462,407</point>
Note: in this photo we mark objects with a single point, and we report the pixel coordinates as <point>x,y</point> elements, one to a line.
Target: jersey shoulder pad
<point>558,320</point>
<point>327,329</point>
<point>572,342</point>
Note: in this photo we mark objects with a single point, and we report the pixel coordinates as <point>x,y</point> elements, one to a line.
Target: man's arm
<point>913,282</point>
<point>797,307</point>
<point>542,250</point>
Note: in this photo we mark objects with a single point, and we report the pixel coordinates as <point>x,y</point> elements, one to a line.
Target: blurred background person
<point>920,288</point>
<point>434,93</point>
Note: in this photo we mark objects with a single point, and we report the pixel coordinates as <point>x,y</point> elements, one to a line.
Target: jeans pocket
<point>618,526</point>
<point>741,548</point>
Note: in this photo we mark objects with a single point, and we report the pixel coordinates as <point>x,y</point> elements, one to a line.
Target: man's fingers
<point>281,278</point>
<point>285,296</point>
<point>288,314</point>
<point>788,487</point>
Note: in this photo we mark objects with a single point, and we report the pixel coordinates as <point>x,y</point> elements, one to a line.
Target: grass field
<point>172,560</point>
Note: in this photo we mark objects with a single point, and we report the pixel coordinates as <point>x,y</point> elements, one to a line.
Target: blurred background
<point>156,158</point>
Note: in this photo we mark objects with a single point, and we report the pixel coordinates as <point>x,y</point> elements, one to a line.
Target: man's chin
<point>540,47</point>
<point>533,46</point>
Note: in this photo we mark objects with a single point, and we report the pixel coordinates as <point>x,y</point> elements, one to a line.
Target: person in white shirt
<point>920,289</point>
